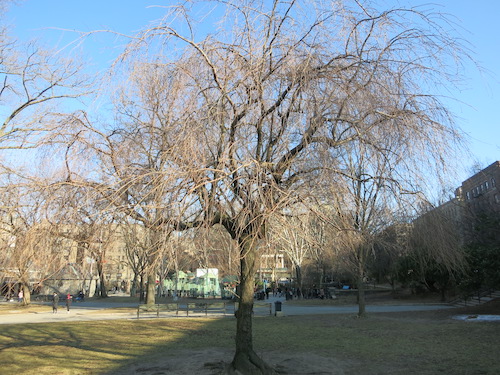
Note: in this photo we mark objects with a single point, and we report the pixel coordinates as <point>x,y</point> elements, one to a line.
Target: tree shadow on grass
<point>182,346</point>
<point>115,346</point>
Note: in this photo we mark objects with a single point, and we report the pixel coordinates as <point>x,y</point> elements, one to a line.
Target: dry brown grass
<point>390,343</point>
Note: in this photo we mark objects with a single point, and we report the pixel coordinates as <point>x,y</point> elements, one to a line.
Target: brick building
<point>479,196</point>
<point>481,191</point>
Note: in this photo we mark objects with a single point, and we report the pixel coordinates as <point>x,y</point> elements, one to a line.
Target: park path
<point>102,310</point>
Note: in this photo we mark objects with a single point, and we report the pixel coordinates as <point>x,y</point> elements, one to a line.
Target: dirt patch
<point>213,361</point>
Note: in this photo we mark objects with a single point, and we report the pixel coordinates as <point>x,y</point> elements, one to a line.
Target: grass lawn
<point>390,343</point>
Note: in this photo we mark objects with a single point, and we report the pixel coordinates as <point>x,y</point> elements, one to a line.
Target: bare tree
<point>36,87</point>
<point>293,236</point>
<point>235,126</point>
<point>83,220</point>
<point>268,98</point>
<point>137,255</point>
<point>366,198</point>
<point>31,252</point>
<point>130,165</point>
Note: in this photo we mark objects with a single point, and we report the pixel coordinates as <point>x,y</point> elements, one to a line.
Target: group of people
<point>69,299</point>
<point>288,293</point>
<point>55,302</point>
<point>294,293</point>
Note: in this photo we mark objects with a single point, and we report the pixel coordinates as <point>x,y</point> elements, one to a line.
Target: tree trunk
<point>321,273</point>
<point>298,274</point>
<point>142,291</point>
<point>245,360</point>
<point>26,294</point>
<point>133,288</point>
<point>103,292</point>
<point>361,295</point>
<point>150,291</point>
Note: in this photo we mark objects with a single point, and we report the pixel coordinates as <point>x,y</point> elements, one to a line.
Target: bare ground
<point>213,361</point>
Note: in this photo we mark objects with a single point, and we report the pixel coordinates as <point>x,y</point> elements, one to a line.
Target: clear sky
<point>478,116</point>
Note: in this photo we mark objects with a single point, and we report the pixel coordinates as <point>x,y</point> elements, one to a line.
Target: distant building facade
<point>479,195</point>
<point>481,191</point>
<point>274,268</point>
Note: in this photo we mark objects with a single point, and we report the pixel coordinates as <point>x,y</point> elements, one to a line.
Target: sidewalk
<point>90,313</point>
<point>99,310</point>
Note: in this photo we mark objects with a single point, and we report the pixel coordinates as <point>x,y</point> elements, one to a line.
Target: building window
<point>497,198</point>
<point>467,194</point>
<point>493,182</point>
<point>486,185</point>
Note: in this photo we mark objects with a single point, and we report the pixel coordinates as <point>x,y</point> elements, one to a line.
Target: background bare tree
<point>83,219</point>
<point>31,250</point>
<point>137,255</point>
<point>367,197</point>
<point>130,165</point>
<point>37,86</point>
<point>294,236</point>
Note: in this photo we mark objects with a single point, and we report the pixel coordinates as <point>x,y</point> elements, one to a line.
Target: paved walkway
<point>99,310</point>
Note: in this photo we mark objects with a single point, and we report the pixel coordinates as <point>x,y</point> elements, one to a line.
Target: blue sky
<point>478,115</point>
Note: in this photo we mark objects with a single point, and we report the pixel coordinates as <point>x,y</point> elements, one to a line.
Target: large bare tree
<point>233,121</point>
<point>275,89</point>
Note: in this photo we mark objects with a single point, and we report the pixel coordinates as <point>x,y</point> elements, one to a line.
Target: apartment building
<point>480,191</point>
<point>479,196</point>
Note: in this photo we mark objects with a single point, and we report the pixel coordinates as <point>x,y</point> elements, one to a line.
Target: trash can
<point>277,306</point>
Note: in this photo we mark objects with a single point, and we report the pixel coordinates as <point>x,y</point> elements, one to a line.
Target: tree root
<point>248,364</point>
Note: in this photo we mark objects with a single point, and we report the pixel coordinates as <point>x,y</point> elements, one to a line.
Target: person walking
<point>69,298</point>
<point>55,302</point>
<point>20,296</point>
